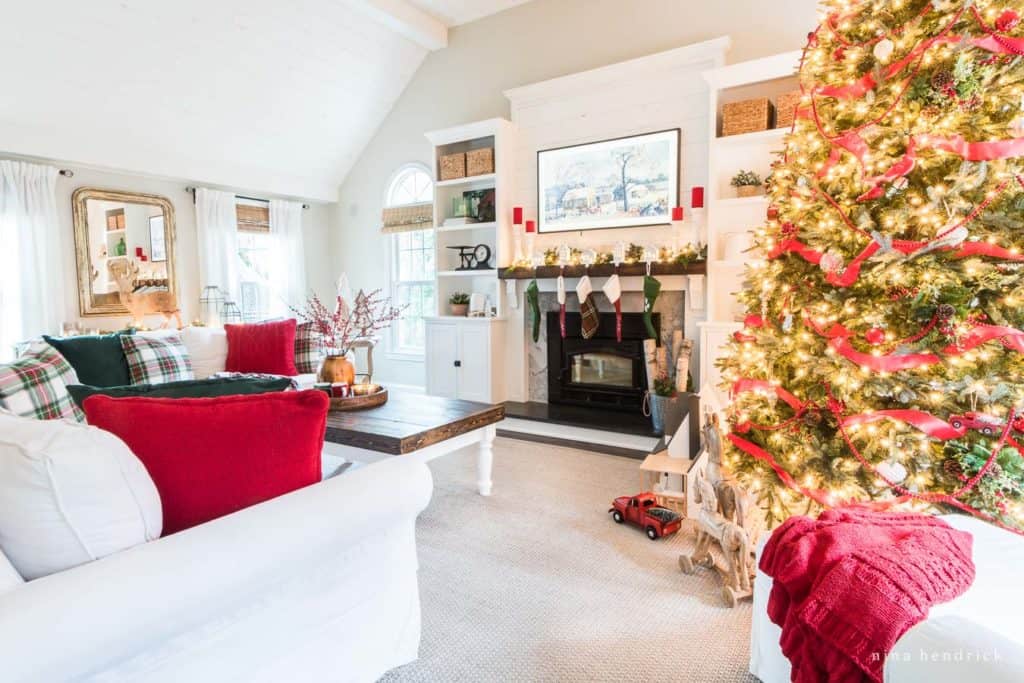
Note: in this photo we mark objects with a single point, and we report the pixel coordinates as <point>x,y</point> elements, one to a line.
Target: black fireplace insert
<point>599,371</point>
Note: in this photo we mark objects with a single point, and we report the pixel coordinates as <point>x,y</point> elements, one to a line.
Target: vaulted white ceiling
<point>271,96</point>
<point>455,12</point>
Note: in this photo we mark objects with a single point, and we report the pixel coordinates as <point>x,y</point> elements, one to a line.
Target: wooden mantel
<point>603,270</point>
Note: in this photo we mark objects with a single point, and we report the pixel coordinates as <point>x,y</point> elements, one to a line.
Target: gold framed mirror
<point>124,244</point>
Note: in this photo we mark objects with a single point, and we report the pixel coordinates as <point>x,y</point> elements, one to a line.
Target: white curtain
<point>32,249</point>
<point>217,232</point>
<point>288,267</point>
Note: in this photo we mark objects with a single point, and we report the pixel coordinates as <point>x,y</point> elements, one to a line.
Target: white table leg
<point>484,460</point>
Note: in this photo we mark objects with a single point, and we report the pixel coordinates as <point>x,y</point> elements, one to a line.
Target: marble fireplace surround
<point>669,304</point>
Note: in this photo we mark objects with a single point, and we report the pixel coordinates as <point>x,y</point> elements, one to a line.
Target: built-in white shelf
<point>744,201</point>
<point>470,180</point>
<point>119,231</point>
<point>761,136</point>
<point>468,273</point>
<point>467,226</point>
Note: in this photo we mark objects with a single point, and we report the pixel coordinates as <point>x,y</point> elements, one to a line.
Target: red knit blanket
<point>847,585</point>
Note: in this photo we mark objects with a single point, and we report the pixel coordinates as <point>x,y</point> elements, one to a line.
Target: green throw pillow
<point>190,388</point>
<point>98,359</point>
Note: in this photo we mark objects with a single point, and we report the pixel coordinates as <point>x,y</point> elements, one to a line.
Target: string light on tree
<point>883,355</point>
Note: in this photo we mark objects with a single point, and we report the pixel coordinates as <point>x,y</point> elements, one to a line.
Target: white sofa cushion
<point>208,347</point>
<point>69,494</point>
<point>9,576</point>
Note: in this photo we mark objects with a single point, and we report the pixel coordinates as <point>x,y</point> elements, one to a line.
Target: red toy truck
<point>644,511</point>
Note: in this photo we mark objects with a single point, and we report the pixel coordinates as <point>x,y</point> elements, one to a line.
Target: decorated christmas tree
<point>882,356</point>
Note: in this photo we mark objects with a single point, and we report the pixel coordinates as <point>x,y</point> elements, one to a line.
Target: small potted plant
<point>747,184</point>
<point>458,303</point>
<point>666,405</point>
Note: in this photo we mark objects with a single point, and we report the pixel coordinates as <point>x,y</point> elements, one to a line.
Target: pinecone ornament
<point>930,112</point>
<point>952,468</point>
<point>994,471</point>
<point>942,80</point>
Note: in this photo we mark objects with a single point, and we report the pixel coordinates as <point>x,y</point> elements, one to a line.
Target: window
<point>254,252</point>
<point>412,261</point>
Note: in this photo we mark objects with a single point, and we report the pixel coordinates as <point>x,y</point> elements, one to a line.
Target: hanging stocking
<point>651,290</point>
<point>588,311</point>
<point>561,305</point>
<point>613,290</point>
<point>533,301</point>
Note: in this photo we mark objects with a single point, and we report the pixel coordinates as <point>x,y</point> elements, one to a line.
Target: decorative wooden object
<point>726,518</point>
<point>363,396</point>
<point>785,108</point>
<point>139,305</point>
<point>748,116</point>
<point>480,161</point>
<point>452,166</point>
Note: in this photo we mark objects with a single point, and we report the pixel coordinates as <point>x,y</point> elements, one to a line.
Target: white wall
<point>530,43</point>
<point>315,231</point>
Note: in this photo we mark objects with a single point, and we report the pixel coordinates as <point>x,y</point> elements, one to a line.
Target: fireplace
<point>600,371</point>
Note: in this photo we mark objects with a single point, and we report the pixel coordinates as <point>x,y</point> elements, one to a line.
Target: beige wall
<point>533,42</point>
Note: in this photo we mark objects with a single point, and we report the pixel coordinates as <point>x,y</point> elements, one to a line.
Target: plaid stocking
<point>588,310</point>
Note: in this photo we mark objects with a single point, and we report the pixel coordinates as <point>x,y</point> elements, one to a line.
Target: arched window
<point>412,260</point>
<point>411,184</point>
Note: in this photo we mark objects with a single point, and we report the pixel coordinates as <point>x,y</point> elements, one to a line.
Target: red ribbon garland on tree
<point>925,422</point>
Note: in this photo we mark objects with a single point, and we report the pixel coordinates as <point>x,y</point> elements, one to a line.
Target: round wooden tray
<point>360,402</point>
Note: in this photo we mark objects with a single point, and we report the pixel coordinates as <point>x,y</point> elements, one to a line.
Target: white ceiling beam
<point>407,20</point>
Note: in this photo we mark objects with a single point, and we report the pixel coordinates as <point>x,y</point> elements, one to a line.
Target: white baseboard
<point>581,434</point>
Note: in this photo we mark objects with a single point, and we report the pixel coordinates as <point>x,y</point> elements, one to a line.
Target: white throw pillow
<point>208,348</point>
<point>9,576</point>
<point>69,494</point>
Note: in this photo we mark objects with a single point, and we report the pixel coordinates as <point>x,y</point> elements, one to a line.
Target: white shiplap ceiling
<point>279,97</point>
<point>455,12</point>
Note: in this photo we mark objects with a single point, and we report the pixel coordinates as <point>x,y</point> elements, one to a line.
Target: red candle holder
<point>517,215</point>
<point>531,226</point>
<point>677,213</point>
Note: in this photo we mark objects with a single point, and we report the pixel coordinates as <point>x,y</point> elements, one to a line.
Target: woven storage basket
<point>748,116</point>
<point>480,161</point>
<point>452,166</point>
<point>785,108</point>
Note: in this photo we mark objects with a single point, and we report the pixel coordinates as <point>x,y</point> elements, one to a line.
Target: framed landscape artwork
<point>620,183</point>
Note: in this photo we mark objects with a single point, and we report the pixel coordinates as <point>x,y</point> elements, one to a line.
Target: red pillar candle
<point>697,198</point>
<point>138,251</point>
<point>531,226</point>
<point>677,213</point>
<point>517,215</point>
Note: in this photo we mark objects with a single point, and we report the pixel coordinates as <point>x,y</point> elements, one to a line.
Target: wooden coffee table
<point>420,426</point>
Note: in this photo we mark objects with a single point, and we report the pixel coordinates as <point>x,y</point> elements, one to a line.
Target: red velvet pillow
<point>212,456</point>
<point>262,347</point>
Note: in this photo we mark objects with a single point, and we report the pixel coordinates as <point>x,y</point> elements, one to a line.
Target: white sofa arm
<point>90,618</point>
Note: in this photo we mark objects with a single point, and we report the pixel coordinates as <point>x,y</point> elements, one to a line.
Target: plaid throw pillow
<point>35,385</point>
<point>155,360</point>
<point>309,349</point>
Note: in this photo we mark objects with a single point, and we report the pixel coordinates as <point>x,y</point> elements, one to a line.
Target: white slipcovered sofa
<point>316,585</point>
<point>979,636</point>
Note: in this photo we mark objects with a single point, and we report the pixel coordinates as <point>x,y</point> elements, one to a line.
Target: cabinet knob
<point>458,363</point>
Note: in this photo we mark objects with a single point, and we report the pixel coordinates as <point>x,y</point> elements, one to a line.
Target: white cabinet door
<point>442,353</point>
<point>474,373</point>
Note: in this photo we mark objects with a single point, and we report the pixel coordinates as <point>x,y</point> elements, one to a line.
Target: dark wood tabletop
<point>409,422</point>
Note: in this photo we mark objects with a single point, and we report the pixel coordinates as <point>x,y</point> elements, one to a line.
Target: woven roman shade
<point>408,218</point>
<point>253,218</point>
